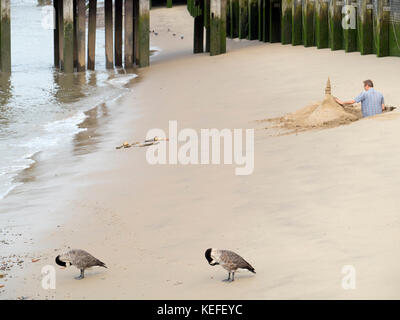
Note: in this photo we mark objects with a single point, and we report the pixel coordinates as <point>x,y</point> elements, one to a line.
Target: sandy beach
<point>316,201</point>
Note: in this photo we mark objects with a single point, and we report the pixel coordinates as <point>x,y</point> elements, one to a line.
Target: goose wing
<point>233,258</point>
<point>83,259</point>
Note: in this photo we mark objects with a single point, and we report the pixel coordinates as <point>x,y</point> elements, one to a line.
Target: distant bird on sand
<point>228,260</point>
<point>181,37</point>
<point>80,259</point>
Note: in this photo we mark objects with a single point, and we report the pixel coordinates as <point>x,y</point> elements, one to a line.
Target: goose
<point>80,259</point>
<point>228,260</point>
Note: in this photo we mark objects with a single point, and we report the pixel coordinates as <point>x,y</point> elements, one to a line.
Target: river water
<point>41,110</point>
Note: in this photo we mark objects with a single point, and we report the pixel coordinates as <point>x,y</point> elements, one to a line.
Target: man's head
<point>368,84</point>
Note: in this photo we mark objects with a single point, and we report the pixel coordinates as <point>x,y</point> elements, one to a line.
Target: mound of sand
<point>327,113</point>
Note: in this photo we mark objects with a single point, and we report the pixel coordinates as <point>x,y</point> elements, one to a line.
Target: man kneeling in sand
<point>372,101</point>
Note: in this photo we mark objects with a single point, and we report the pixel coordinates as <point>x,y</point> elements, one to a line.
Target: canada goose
<point>80,259</point>
<point>228,260</point>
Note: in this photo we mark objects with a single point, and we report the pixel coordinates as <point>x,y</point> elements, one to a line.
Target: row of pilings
<point>126,39</point>
<point>367,26</point>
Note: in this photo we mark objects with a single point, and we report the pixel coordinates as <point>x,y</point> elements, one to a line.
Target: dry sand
<point>317,201</point>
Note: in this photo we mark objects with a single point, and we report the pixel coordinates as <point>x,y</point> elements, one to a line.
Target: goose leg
<point>229,277</point>
<point>82,275</point>
<point>233,276</point>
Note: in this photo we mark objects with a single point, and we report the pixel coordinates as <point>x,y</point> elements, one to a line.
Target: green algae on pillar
<point>275,21</point>
<point>68,52</point>
<point>234,18</point>
<point>207,17</point>
<point>198,37</point>
<point>260,19</point>
<point>5,37</point>
<point>91,54</point>
<point>143,33</point>
<point>169,3</point>
<point>217,27</point>
<point>381,27</point>
<point>335,25</point>
<point>297,29</point>
<point>253,19</point>
<point>243,19</point>
<point>365,27</point>
<point>308,23</point>
<point>265,20</point>
<point>349,24</point>
<point>287,21</point>
<point>321,24</point>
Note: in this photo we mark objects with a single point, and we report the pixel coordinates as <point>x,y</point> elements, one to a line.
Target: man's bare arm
<point>383,107</point>
<point>345,102</point>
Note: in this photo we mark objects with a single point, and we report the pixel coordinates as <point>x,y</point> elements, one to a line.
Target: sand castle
<point>327,113</point>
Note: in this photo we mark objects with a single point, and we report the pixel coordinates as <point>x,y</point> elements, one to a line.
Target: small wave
<point>123,80</point>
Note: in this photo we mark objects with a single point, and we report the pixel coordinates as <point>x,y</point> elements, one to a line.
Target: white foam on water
<point>121,80</point>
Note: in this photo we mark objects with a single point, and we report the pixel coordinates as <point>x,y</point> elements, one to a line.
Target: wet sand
<point>317,201</point>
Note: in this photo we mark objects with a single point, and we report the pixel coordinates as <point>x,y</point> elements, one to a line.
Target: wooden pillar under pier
<point>92,34</point>
<point>75,13</point>
<point>350,33</point>
<point>266,17</point>
<point>253,19</point>
<point>143,58</point>
<point>234,8</point>
<point>260,19</point>
<point>381,27</point>
<point>136,31</point>
<point>218,27</point>
<point>275,23</point>
<point>169,3</point>
<point>81,36</point>
<point>109,43</point>
<point>297,28</point>
<point>61,33</point>
<point>243,19</point>
<point>366,27</point>
<point>68,52</point>
<point>321,24</point>
<point>118,33</point>
<point>55,36</point>
<point>286,21</point>
<point>335,25</point>
<point>308,23</point>
<point>5,37</point>
<point>198,37</point>
<point>207,18</point>
<point>129,34</point>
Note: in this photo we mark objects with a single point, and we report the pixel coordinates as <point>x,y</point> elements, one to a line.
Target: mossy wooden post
<point>55,36</point>
<point>297,29</point>
<point>68,52</point>
<point>218,27</point>
<point>321,24</point>
<point>335,25</point>
<point>143,58</point>
<point>260,19</point>
<point>109,41</point>
<point>228,18</point>
<point>169,3</point>
<point>234,18</point>
<point>60,16</point>
<point>75,13</point>
<point>243,19</point>
<point>207,18</point>
<point>128,63</point>
<point>275,30</point>
<point>198,37</point>
<point>92,34</point>
<point>5,36</point>
<point>308,23</point>
<point>253,19</point>
<point>81,36</point>
<point>265,20</point>
<point>382,16</point>
<point>349,24</point>
<point>118,33</point>
<point>287,21</point>
<point>366,27</point>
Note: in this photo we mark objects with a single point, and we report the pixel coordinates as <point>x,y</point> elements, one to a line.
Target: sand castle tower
<point>328,87</point>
